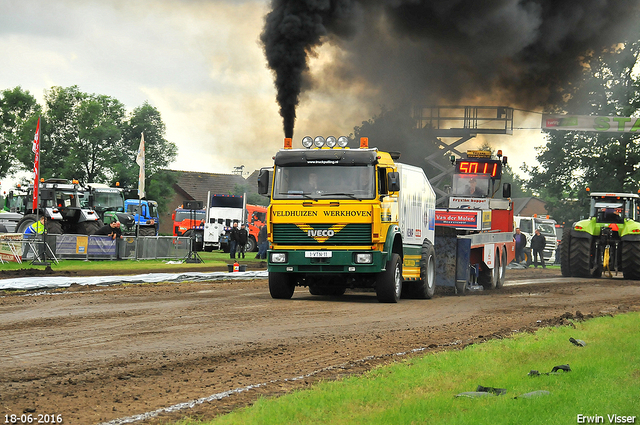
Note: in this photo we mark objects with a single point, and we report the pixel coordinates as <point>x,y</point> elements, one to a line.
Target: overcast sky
<point>199,62</point>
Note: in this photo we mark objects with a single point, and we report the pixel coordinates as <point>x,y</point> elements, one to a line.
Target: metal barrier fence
<point>83,247</point>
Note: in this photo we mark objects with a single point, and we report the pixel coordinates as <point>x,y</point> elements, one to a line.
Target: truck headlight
<point>343,141</point>
<point>307,142</point>
<point>318,142</point>
<point>364,258</point>
<point>331,141</point>
<point>278,257</point>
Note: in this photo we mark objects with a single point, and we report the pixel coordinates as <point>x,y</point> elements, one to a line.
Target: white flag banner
<point>591,123</point>
<point>140,162</point>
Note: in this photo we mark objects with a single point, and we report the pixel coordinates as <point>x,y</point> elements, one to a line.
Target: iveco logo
<point>320,233</point>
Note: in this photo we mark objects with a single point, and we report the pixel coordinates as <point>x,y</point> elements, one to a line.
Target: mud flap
<point>452,257</point>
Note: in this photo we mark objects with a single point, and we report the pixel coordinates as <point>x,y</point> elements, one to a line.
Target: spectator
<point>521,242</point>
<point>233,240</point>
<point>262,243</point>
<point>538,243</point>
<point>243,237</point>
<point>36,228</point>
<point>112,230</point>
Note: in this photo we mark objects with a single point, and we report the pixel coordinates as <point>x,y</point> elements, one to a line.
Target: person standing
<point>262,243</point>
<point>521,242</point>
<point>233,239</point>
<point>538,243</point>
<point>36,228</point>
<point>243,237</point>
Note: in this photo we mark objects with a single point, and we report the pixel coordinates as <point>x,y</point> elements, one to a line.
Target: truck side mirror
<point>393,181</point>
<point>506,190</point>
<point>173,216</point>
<point>264,178</point>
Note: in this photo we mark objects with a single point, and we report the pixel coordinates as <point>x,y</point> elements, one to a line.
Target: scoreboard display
<point>493,167</point>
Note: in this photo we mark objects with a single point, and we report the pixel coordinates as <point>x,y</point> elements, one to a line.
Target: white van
<point>547,228</point>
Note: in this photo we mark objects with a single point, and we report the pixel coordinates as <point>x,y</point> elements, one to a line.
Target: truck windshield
<point>471,185</point>
<point>108,201</point>
<point>186,215</point>
<point>324,182</point>
<point>546,228</point>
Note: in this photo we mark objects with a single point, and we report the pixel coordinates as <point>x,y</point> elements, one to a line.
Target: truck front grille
<point>351,234</point>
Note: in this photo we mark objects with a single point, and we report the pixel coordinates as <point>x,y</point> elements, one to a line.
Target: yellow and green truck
<point>348,218</point>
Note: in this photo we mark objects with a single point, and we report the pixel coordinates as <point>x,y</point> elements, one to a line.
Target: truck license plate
<point>317,254</point>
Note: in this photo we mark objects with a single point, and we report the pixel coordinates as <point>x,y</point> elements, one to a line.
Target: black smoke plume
<point>515,52</point>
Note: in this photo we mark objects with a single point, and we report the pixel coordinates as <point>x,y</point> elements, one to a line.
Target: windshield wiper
<point>351,195</point>
<point>298,193</point>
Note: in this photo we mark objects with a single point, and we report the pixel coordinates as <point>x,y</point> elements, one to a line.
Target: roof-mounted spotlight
<point>331,141</point>
<point>343,141</point>
<point>307,142</point>
<point>318,142</point>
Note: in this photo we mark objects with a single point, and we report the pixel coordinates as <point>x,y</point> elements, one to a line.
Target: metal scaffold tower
<point>462,123</point>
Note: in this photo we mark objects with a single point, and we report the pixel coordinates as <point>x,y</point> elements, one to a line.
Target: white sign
<point>318,254</point>
<point>591,123</point>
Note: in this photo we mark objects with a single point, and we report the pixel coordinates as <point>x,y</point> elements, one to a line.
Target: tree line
<point>88,137</point>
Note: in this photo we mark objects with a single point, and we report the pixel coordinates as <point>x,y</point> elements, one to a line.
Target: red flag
<point>36,165</point>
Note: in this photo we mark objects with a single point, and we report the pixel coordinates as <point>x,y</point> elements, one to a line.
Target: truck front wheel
<point>281,285</point>
<point>389,282</point>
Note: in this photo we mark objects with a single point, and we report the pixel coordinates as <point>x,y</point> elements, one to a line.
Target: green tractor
<point>607,241</point>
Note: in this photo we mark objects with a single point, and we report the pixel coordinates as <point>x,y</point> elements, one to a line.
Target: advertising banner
<point>471,220</point>
<point>591,123</point>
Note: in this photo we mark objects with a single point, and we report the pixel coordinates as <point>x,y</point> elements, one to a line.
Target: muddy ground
<point>97,354</point>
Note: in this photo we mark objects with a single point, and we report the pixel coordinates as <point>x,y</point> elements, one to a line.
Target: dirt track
<point>97,354</point>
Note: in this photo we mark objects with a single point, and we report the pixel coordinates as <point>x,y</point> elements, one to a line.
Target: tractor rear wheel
<point>580,255</point>
<point>25,222</point>
<point>631,260</point>
<point>88,227</point>
<point>281,285</point>
<point>565,246</point>
<point>147,231</point>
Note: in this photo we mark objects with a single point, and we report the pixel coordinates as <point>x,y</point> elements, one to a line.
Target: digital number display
<point>480,166</point>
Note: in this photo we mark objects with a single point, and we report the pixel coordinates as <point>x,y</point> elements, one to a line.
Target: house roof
<point>195,185</point>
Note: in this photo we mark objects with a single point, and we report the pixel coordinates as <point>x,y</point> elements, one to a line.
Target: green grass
<point>140,266</point>
<point>605,379</point>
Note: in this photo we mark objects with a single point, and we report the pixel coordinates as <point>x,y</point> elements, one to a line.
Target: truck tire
<point>565,246</point>
<point>88,227</point>
<point>425,287</point>
<point>147,231</point>
<point>631,260</point>
<point>389,282</point>
<point>488,278</point>
<point>502,272</point>
<point>580,257</point>
<point>251,245</point>
<point>281,285</point>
